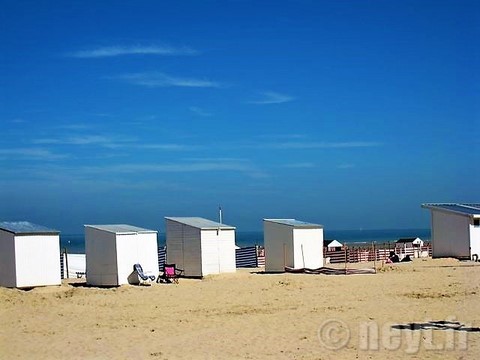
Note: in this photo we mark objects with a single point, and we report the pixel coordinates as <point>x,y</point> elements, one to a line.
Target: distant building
<point>410,246</point>
<point>292,243</point>
<point>332,245</point>
<point>413,242</point>
<point>29,255</point>
<point>455,230</point>
<point>200,246</point>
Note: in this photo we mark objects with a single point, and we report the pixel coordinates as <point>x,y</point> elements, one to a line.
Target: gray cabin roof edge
<point>471,210</point>
<point>295,223</point>
<point>200,223</point>
<point>26,228</point>
<point>121,229</point>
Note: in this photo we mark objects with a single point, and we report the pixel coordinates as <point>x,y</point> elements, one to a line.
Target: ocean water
<point>75,243</point>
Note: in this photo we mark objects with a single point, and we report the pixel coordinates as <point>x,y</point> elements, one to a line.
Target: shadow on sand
<point>436,325</point>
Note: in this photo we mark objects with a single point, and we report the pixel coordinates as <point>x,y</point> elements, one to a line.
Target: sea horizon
<point>75,243</point>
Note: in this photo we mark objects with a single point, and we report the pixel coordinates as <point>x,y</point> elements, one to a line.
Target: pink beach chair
<point>170,274</point>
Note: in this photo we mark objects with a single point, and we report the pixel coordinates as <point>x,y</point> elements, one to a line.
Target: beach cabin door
<point>210,252</point>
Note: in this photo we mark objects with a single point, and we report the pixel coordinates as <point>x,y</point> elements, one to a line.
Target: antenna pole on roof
<point>219,218</point>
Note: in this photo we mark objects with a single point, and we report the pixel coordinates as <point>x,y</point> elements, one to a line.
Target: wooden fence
<point>254,256</point>
<point>162,257</point>
<point>377,252</point>
<point>251,256</point>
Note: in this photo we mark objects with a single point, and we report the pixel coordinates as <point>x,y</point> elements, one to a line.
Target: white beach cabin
<point>455,230</point>
<point>200,246</point>
<point>113,250</point>
<point>29,255</point>
<point>292,243</point>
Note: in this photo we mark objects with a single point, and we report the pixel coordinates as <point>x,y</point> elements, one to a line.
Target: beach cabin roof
<point>201,223</point>
<point>122,229</point>
<point>295,223</point>
<point>470,210</point>
<point>26,228</point>
<point>406,240</point>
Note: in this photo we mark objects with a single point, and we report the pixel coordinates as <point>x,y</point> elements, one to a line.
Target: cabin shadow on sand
<point>436,325</point>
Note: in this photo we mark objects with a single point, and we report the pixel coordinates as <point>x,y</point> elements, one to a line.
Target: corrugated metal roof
<point>464,209</point>
<point>122,229</point>
<point>201,223</point>
<point>25,227</point>
<point>295,223</point>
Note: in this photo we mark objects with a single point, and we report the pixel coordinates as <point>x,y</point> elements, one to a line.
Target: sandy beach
<point>251,315</point>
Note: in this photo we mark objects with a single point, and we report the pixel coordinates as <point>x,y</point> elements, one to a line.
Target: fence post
<point>66,262</point>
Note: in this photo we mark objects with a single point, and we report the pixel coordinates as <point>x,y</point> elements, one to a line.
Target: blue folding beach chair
<point>144,277</point>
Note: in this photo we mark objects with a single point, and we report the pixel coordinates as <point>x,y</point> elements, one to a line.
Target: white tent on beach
<point>292,243</point>
<point>113,250</point>
<point>200,246</point>
<point>29,255</point>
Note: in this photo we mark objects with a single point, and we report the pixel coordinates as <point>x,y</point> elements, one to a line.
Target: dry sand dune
<point>250,315</point>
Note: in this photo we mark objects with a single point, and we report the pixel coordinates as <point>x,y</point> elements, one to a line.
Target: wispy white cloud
<point>300,165</point>
<point>292,145</point>
<point>282,137</point>
<point>345,166</point>
<point>200,112</point>
<point>122,50</point>
<point>167,147</point>
<point>101,140</point>
<point>158,79</point>
<point>31,153</point>
<point>18,121</point>
<point>177,167</point>
<point>113,142</point>
<point>75,127</point>
<point>231,165</point>
<point>271,97</point>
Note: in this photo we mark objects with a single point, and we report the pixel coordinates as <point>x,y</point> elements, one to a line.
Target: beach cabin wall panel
<point>192,251</point>
<point>101,257</point>
<point>218,251</point>
<point>184,248</point>
<point>450,235</point>
<point>475,239</point>
<point>37,260</point>
<point>136,249</point>
<point>226,246</point>
<point>174,233</point>
<point>7,259</point>
<point>308,248</point>
<point>210,253</point>
<point>278,242</point>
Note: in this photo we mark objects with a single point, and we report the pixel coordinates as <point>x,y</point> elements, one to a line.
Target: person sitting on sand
<point>394,257</point>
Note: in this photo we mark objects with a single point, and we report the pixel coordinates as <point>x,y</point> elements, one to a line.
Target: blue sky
<point>345,113</point>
